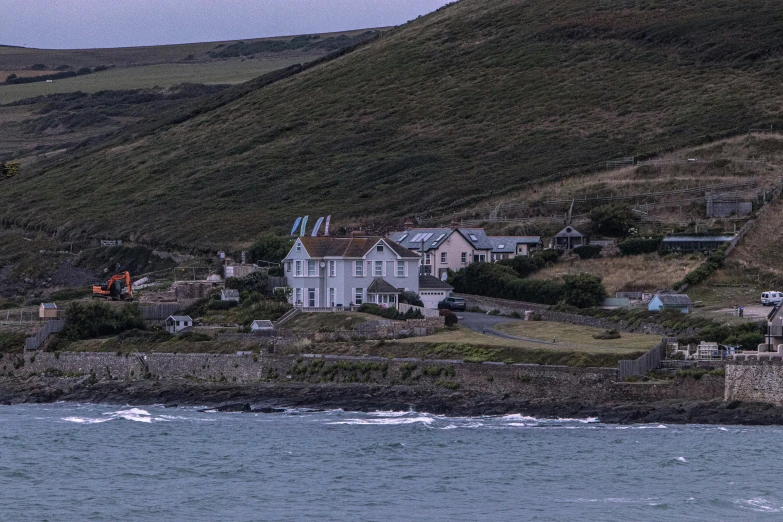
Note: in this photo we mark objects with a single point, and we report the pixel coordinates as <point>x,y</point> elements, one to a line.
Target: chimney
<point>454,225</point>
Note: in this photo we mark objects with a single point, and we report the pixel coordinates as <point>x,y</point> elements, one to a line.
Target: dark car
<point>452,303</point>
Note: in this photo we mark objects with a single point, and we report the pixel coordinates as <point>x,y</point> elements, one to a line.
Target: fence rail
<point>34,342</point>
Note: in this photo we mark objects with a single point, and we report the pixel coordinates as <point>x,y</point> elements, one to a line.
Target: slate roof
<point>476,237</point>
<point>180,318</point>
<point>569,231</point>
<point>674,299</point>
<point>717,239</point>
<point>428,282</point>
<point>381,286</point>
<point>263,323</point>
<point>508,244</point>
<point>431,237</point>
<point>356,247</point>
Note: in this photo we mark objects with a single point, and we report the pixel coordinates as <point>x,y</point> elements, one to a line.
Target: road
<point>484,323</point>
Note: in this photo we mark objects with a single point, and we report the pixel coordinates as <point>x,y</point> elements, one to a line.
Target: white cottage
<point>175,323</point>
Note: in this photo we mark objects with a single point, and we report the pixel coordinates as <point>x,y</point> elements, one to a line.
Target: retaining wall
<point>755,381</point>
<point>526,380</point>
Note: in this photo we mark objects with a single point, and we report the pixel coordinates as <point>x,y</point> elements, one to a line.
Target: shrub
<point>411,298</point>
<point>450,385</point>
<point>390,313</point>
<point>704,270</point>
<point>99,319</point>
<point>11,342</point>
<point>607,334</point>
<point>612,220</point>
<point>255,282</point>
<point>583,290</point>
<point>450,317</point>
<point>496,280</point>
<point>588,251</point>
<point>639,245</point>
<point>221,305</point>
<point>406,370</point>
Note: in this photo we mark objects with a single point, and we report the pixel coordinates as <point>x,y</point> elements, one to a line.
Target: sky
<point>71,24</point>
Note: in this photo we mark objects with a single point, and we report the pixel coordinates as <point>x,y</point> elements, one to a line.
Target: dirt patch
<point>69,276</point>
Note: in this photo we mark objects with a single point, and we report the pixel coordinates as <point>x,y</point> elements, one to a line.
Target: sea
<point>65,461</point>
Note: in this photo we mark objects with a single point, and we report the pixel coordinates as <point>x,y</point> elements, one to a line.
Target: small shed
<point>679,302</point>
<point>48,311</point>
<point>260,325</point>
<point>229,295</point>
<point>695,243</point>
<point>176,323</point>
<point>569,238</point>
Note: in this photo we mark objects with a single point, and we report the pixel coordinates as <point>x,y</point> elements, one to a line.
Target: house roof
<point>476,237</point>
<point>262,323</point>
<point>428,282</point>
<point>414,237</point>
<point>326,246</point>
<point>179,318</point>
<point>508,244</point>
<point>674,299</point>
<point>569,231</point>
<point>677,239</point>
<point>231,292</point>
<point>49,306</point>
<point>381,286</point>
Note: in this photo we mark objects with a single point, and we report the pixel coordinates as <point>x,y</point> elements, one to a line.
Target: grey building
<point>331,271</point>
<point>695,243</point>
<point>508,247</point>
<point>569,238</point>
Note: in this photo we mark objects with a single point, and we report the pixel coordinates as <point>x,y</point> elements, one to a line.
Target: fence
<point>34,342</point>
<point>622,162</point>
<point>159,311</point>
<point>287,317</point>
<point>19,317</point>
<point>647,362</point>
<point>426,312</point>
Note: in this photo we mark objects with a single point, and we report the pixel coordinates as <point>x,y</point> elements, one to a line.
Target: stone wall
<point>526,380</point>
<point>507,306</point>
<point>755,381</point>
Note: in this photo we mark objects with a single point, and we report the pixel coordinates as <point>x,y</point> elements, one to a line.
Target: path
<point>484,324</point>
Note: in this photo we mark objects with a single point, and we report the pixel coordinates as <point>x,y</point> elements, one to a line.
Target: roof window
<point>473,237</point>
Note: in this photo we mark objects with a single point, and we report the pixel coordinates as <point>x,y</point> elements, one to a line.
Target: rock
<point>268,410</point>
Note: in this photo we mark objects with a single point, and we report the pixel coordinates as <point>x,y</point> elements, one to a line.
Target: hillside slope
<point>478,99</point>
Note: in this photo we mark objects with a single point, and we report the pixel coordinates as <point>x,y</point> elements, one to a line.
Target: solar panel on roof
<point>440,237</point>
<point>473,237</point>
<point>427,236</point>
<point>402,238</point>
<point>416,238</point>
<point>501,245</point>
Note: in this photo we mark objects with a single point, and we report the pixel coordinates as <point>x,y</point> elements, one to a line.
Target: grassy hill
<point>480,99</point>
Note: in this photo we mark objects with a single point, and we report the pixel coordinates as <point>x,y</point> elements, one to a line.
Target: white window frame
<point>358,269</point>
<point>443,257</point>
<point>332,268</point>
<point>312,297</point>
<point>464,257</point>
<point>288,266</point>
<point>297,296</point>
<point>312,268</point>
<point>299,247</point>
<point>298,272</point>
<point>378,269</point>
<point>401,268</point>
<point>358,295</point>
<point>332,296</point>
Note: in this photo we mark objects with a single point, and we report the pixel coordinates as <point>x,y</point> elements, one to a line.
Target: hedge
<point>640,245</point>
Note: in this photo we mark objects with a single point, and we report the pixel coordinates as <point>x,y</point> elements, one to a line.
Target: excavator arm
<point>114,289</point>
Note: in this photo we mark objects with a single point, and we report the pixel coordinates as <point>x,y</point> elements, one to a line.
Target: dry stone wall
<point>755,381</point>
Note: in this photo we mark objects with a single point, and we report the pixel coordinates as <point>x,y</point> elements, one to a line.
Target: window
<point>464,257</point>
<point>312,269</point>
<point>299,247</point>
<point>358,293</point>
<point>378,269</point>
<point>443,257</point>
<point>427,260</point>
<point>298,272</point>
<point>311,297</point>
<point>331,296</point>
<point>358,269</point>
<point>298,298</point>
<point>288,266</point>
<point>332,268</point>
<point>379,248</point>
<point>479,257</point>
<point>400,268</point>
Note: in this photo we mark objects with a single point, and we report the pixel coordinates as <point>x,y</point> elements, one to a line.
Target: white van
<point>771,298</point>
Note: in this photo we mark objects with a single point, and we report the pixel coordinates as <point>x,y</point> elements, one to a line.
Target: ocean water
<point>63,462</point>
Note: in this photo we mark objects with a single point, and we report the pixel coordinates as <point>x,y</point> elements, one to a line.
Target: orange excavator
<point>118,287</point>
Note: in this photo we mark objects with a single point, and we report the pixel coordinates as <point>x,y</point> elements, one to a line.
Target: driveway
<point>484,324</point>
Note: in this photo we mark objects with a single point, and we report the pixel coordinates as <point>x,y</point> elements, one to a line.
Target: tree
<point>10,77</point>
<point>583,290</point>
<point>612,220</point>
<point>412,298</point>
<point>270,248</point>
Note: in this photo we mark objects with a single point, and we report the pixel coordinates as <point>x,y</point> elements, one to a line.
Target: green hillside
<point>476,100</point>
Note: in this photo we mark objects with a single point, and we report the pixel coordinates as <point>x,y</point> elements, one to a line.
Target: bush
<point>450,317</point>
<point>11,342</point>
<point>588,251</point>
<point>99,319</point>
<point>390,313</point>
<point>704,270</point>
<point>607,334</point>
<point>612,220</point>
<point>583,290</point>
<point>639,245</point>
<point>255,282</point>
<point>221,305</point>
<point>496,280</point>
<point>411,298</point>
<point>270,248</point>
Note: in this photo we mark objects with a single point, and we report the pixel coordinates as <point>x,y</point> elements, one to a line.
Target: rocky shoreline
<point>272,397</point>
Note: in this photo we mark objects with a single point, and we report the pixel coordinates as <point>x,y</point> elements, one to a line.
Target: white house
<point>432,290</point>
<point>339,271</point>
<point>680,302</point>
<point>175,323</point>
<point>261,325</point>
<point>229,295</point>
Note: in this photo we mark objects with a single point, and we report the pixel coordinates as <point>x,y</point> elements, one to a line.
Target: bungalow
<point>229,295</point>
<point>432,290</point>
<point>337,271</point>
<point>569,238</point>
<point>695,243</point>
<point>507,247</point>
<point>175,323</point>
<point>680,302</point>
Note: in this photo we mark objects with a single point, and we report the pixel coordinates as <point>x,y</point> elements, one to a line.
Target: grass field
<point>646,272</point>
<point>163,75</point>
<point>480,99</point>
<point>582,336</point>
<point>332,322</point>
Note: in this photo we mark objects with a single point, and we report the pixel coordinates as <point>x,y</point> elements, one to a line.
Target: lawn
<point>327,322</point>
<point>575,335</point>
<point>161,75</point>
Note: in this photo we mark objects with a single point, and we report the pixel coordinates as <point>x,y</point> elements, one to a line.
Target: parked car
<point>771,298</point>
<point>452,303</point>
